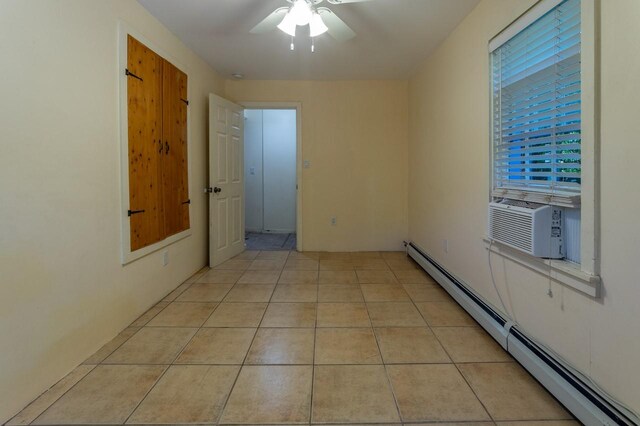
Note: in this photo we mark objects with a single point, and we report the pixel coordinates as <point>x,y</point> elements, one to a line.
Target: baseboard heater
<point>582,400</point>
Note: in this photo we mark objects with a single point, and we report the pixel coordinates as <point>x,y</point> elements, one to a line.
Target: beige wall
<point>354,133</point>
<point>63,291</point>
<point>449,183</point>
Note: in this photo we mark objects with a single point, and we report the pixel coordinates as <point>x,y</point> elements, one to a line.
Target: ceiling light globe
<point>288,25</point>
<point>317,25</point>
<point>301,12</point>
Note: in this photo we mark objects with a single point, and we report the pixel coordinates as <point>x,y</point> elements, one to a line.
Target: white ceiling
<point>393,37</point>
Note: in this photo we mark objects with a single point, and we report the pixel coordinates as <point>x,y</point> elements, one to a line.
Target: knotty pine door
<point>157,129</point>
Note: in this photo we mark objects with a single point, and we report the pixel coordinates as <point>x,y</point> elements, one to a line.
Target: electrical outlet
<point>306,164</point>
<point>334,221</point>
<point>165,258</point>
<point>445,246</point>
<point>252,170</point>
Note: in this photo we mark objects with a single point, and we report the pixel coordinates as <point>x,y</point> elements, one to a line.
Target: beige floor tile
<point>540,423</point>
<point>384,293</point>
<point>114,344</point>
<point>290,315</point>
<point>223,276</point>
<point>352,394</point>
<point>510,393</point>
<point>108,394</point>
<point>426,293</point>
<point>270,394</point>
<point>298,277</point>
<point>259,277</point>
<point>152,345</point>
<point>177,292</point>
<point>235,265</point>
<point>339,293</point>
<point>43,402</point>
<point>338,277</point>
<point>410,345</point>
<point>150,314</point>
<point>358,255</point>
<point>183,314</point>
<point>335,255</point>
<point>281,255</point>
<point>434,392</point>
<point>336,265</point>
<point>187,394</point>
<point>302,264</point>
<point>455,424</point>
<point>236,315</point>
<point>394,255</point>
<point>395,314</point>
<point>470,344</point>
<point>295,293</point>
<point>282,346</point>
<point>250,293</point>
<point>343,315</point>
<point>248,255</point>
<point>376,277</point>
<point>402,263</point>
<point>308,255</point>
<point>267,265</point>
<point>205,293</point>
<point>218,346</point>
<point>346,346</point>
<point>370,264</point>
<point>413,277</point>
<point>445,314</point>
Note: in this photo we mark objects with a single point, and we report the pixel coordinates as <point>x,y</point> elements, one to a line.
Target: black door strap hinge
<point>186,202</point>
<point>129,73</point>
<point>185,101</point>
<point>132,212</point>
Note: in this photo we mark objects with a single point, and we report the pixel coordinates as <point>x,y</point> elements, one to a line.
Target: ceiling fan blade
<point>337,28</point>
<point>270,22</point>
<point>346,1</point>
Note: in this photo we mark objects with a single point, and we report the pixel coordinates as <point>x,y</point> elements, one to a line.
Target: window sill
<point>560,271</point>
<point>128,256</point>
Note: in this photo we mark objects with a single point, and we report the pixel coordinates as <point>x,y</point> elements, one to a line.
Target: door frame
<point>297,106</point>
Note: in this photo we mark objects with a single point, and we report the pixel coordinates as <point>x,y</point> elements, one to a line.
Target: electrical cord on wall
<point>511,317</point>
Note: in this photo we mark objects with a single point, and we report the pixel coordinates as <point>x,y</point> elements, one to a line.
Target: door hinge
<point>132,212</point>
<point>186,202</point>
<point>185,101</point>
<point>130,74</point>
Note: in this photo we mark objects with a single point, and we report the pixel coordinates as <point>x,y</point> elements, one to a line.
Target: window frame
<point>127,255</point>
<point>587,272</point>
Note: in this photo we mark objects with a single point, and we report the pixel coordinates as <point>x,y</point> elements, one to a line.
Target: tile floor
<point>270,241</point>
<point>301,338</point>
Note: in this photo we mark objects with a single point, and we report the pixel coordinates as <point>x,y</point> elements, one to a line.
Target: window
<point>545,92</point>
<point>536,108</point>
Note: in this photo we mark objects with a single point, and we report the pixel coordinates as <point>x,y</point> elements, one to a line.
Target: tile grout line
<point>451,358</point>
<point>315,336</point>
<point>226,401</point>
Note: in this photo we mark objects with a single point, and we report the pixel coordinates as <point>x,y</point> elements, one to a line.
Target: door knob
<point>216,190</point>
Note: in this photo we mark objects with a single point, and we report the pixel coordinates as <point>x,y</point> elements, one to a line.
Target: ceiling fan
<point>306,12</point>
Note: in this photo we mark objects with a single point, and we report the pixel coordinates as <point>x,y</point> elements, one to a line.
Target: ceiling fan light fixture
<point>301,12</point>
<point>316,25</point>
<point>288,25</point>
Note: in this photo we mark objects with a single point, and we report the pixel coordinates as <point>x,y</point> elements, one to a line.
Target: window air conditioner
<point>533,228</point>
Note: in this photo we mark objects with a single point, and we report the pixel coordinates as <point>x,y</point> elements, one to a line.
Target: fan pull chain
<point>313,45</point>
<point>293,46</point>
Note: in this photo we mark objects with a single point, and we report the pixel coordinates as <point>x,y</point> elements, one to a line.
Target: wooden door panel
<point>226,121</point>
<point>174,167</point>
<point>145,136</point>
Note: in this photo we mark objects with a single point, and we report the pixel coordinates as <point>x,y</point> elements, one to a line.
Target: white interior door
<point>226,180</point>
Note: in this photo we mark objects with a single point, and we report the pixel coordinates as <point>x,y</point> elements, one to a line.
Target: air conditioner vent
<point>533,228</point>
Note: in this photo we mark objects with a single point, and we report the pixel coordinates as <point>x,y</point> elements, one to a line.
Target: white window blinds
<point>536,109</point>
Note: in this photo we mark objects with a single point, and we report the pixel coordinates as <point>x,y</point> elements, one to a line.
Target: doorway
<point>270,169</point>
